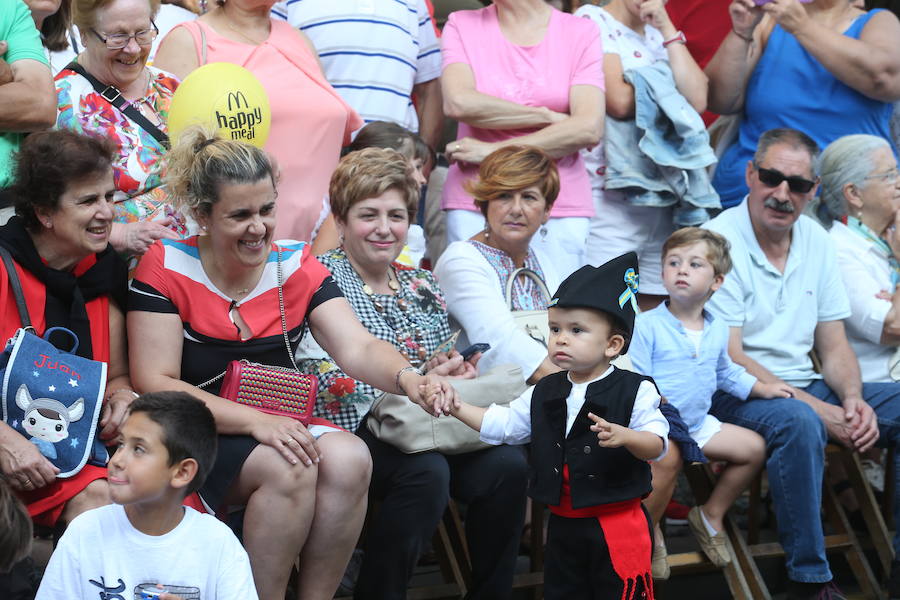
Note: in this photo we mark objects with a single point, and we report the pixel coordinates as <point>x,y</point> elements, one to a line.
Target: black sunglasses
<point>773,178</point>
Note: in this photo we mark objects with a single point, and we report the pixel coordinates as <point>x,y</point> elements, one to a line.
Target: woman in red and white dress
<point>198,303</point>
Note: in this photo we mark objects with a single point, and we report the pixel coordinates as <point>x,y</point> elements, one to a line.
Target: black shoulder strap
<point>16,286</point>
<point>112,95</point>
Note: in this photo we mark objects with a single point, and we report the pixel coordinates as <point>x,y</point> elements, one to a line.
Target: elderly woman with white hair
<point>860,205</point>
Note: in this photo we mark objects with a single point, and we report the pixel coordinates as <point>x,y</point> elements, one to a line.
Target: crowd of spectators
<point>522,139</point>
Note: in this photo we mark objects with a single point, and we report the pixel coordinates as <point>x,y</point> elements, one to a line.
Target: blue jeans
<point>795,444</point>
<point>884,398</point>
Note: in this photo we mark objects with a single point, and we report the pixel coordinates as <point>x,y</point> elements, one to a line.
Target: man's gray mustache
<point>778,205</point>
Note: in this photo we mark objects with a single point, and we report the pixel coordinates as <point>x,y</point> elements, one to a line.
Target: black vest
<point>596,475</point>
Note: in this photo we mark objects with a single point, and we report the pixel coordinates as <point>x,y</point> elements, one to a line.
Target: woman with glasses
<point>109,91</point>
<point>860,205</point>
<point>825,68</point>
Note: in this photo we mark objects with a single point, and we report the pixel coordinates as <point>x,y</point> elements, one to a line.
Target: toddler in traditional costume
<point>592,429</point>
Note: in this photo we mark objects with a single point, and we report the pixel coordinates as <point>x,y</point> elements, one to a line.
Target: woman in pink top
<point>310,121</point>
<point>521,72</point>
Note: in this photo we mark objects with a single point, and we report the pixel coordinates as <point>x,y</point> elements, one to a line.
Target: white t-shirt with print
<point>101,555</point>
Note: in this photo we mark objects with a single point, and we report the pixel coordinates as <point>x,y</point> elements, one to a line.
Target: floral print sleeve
<point>138,165</point>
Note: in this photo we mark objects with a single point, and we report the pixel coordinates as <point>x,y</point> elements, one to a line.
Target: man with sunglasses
<point>783,299</point>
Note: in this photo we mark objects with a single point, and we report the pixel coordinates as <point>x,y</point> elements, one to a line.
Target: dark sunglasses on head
<point>773,178</point>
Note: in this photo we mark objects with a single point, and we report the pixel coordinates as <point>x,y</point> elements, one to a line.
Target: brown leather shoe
<point>714,546</point>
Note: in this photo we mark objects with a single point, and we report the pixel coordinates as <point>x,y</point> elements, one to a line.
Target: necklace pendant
<point>367,290</point>
<point>394,284</point>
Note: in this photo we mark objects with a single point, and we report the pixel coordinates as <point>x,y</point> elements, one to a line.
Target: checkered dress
<point>416,331</point>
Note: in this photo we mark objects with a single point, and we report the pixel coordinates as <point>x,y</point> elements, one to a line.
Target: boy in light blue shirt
<point>685,350</point>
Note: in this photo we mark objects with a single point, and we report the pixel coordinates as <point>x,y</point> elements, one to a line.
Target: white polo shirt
<point>778,312</point>
<point>866,272</point>
<point>373,51</point>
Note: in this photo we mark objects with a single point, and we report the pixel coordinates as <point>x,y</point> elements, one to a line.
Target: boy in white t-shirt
<point>147,545</point>
<point>685,350</point>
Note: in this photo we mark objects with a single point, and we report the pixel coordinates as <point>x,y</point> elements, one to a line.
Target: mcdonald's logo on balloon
<point>226,97</point>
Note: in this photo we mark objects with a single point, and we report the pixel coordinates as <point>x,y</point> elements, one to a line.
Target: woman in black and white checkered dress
<point>374,196</point>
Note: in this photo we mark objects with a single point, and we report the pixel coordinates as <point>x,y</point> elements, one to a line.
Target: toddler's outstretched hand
<point>610,435</point>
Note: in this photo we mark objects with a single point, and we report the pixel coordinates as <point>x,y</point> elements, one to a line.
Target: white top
<point>372,51</point>
<point>694,336</point>
<point>101,555</point>
<point>866,272</point>
<point>634,51</point>
<point>511,424</point>
<point>778,312</point>
<point>475,300</point>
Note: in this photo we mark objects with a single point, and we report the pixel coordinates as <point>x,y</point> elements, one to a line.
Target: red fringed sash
<point>627,536</point>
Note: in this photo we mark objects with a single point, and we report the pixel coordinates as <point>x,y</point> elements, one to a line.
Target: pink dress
<point>310,121</point>
<point>540,75</point>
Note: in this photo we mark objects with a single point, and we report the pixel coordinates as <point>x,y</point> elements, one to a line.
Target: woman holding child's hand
<point>231,293</point>
<point>374,197</point>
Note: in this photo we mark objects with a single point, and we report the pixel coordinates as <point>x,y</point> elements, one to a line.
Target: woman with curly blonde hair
<point>199,303</point>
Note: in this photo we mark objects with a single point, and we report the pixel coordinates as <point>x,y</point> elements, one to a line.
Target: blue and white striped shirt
<point>373,51</point>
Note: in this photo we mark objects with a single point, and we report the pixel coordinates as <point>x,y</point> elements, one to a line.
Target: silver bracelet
<point>406,369</point>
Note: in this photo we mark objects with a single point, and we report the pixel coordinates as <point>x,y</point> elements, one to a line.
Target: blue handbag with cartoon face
<point>50,396</point>
<point>53,398</point>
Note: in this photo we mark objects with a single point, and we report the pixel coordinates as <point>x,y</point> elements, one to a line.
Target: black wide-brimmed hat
<point>612,287</point>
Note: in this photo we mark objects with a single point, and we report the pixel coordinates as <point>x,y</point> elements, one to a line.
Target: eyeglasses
<point>117,41</point>
<point>773,178</point>
<point>886,177</point>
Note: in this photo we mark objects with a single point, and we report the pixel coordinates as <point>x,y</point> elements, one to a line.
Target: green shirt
<point>18,30</point>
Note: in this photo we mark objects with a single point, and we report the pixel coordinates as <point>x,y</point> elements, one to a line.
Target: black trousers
<point>414,489</point>
<point>577,564</point>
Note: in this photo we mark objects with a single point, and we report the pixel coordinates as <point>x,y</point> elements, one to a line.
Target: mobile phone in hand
<point>475,349</point>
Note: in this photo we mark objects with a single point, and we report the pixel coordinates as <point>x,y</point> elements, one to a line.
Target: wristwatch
<point>679,37</point>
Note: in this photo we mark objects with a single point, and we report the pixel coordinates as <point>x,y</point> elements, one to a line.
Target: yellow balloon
<point>226,97</point>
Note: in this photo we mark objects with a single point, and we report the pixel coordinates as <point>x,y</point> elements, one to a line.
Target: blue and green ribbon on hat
<point>631,288</point>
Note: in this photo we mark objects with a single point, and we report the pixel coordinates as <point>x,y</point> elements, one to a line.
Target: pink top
<point>541,75</point>
<point>310,121</point>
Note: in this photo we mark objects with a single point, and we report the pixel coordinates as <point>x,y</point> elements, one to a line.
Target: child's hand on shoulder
<point>778,389</point>
<point>610,435</point>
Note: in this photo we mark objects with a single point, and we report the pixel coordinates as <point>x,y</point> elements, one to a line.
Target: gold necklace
<point>392,283</point>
